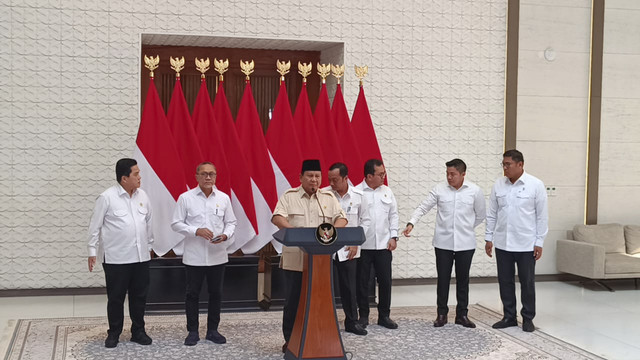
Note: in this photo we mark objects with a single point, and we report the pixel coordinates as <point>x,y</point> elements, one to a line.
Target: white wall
<point>69,106</point>
<point>619,186</point>
<point>552,108</point>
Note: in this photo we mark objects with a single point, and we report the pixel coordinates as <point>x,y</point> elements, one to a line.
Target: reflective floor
<point>605,323</point>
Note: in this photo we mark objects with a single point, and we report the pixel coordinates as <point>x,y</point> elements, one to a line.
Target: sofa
<point>600,252</point>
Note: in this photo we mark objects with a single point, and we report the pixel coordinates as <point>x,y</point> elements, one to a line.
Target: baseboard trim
<point>396,282</point>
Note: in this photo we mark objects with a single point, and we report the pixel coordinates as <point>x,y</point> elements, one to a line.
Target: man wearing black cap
<point>303,206</point>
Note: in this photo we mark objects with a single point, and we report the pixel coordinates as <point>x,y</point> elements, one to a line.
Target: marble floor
<point>602,322</point>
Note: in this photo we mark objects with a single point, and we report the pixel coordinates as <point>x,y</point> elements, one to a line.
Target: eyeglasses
<point>382,175</point>
<point>506,164</point>
<point>208,174</point>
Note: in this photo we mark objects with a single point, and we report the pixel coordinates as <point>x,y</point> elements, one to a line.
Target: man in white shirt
<point>380,242</point>
<point>517,223</point>
<point>461,208</point>
<point>205,218</point>
<point>355,206</point>
<point>120,237</point>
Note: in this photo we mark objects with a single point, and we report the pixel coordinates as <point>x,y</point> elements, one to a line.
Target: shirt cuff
<point>93,251</point>
<point>539,242</point>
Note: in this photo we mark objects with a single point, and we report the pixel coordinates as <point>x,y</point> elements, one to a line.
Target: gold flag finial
<point>337,71</point>
<point>324,70</point>
<point>177,65</point>
<point>203,66</point>
<point>361,72</point>
<point>151,63</point>
<point>221,67</point>
<point>283,68</point>
<point>247,67</point>
<point>304,69</point>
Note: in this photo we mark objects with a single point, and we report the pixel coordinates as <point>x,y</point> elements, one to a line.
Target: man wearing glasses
<point>380,242</point>
<point>205,217</point>
<point>517,223</point>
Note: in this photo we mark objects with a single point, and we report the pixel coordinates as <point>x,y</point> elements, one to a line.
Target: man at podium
<point>302,206</point>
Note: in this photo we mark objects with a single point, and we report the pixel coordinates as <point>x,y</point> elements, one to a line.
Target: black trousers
<point>507,261</point>
<point>122,279</point>
<point>444,263</point>
<point>194,277</point>
<point>346,272</point>
<point>293,285</point>
<point>380,260</point>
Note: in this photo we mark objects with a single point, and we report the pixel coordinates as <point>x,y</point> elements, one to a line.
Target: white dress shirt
<point>383,210</point>
<point>459,212</point>
<point>120,228</point>
<point>195,210</point>
<point>517,218</point>
<point>355,205</point>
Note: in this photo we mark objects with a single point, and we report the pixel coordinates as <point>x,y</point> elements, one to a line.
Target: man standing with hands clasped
<point>517,223</point>
<point>355,206</point>
<point>204,216</point>
<point>461,208</point>
<point>380,242</point>
<point>120,238</point>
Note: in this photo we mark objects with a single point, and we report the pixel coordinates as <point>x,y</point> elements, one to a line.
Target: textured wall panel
<point>69,106</point>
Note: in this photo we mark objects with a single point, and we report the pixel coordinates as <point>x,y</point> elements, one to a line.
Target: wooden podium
<point>316,333</point>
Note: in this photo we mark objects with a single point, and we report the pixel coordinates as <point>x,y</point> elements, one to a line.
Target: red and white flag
<point>326,130</point>
<point>264,191</point>
<point>284,148</point>
<point>362,127</point>
<point>209,137</point>
<point>303,122</point>
<point>282,141</point>
<point>350,149</point>
<point>183,134</point>
<point>158,160</point>
<point>241,190</point>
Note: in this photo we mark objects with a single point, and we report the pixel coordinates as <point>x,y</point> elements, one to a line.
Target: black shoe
<point>364,322</point>
<point>356,328</point>
<point>505,323</point>
<point>440,321</point>
<point>112,341</point>
<point>192,338</point>
<point>464,321</point>
<point>284,347</point>
<point>216,337</point>
<point>387,322</point>
<point>527,325</point>
<point>141,338</point>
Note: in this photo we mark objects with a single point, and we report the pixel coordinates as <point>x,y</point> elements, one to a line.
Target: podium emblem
<point>326,234</point>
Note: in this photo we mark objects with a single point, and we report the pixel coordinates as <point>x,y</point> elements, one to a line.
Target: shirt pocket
<point>467,200</point>
<point>445,206</point>
<point>296,217</point>
<point>386,204</point>
<point>525,200</point>
<point>195,218</point>
<point>501,200</point>
<point>120,213</point>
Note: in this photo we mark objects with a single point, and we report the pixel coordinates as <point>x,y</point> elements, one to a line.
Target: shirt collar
<point>303,193</point>
<point>122,191</point>
<point>464,185</point>
<point>200,192</point>
<point>522,179</point>
<point>348,193</point>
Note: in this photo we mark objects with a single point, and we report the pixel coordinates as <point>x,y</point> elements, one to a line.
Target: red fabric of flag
<point>303,121</point>
<point>282,139</point>
<point>327,132</point>
<point>158,160</point>
<point>209,138</point>
<point>184,134</point>
<point>348,142</point>
<point>362,127</point>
